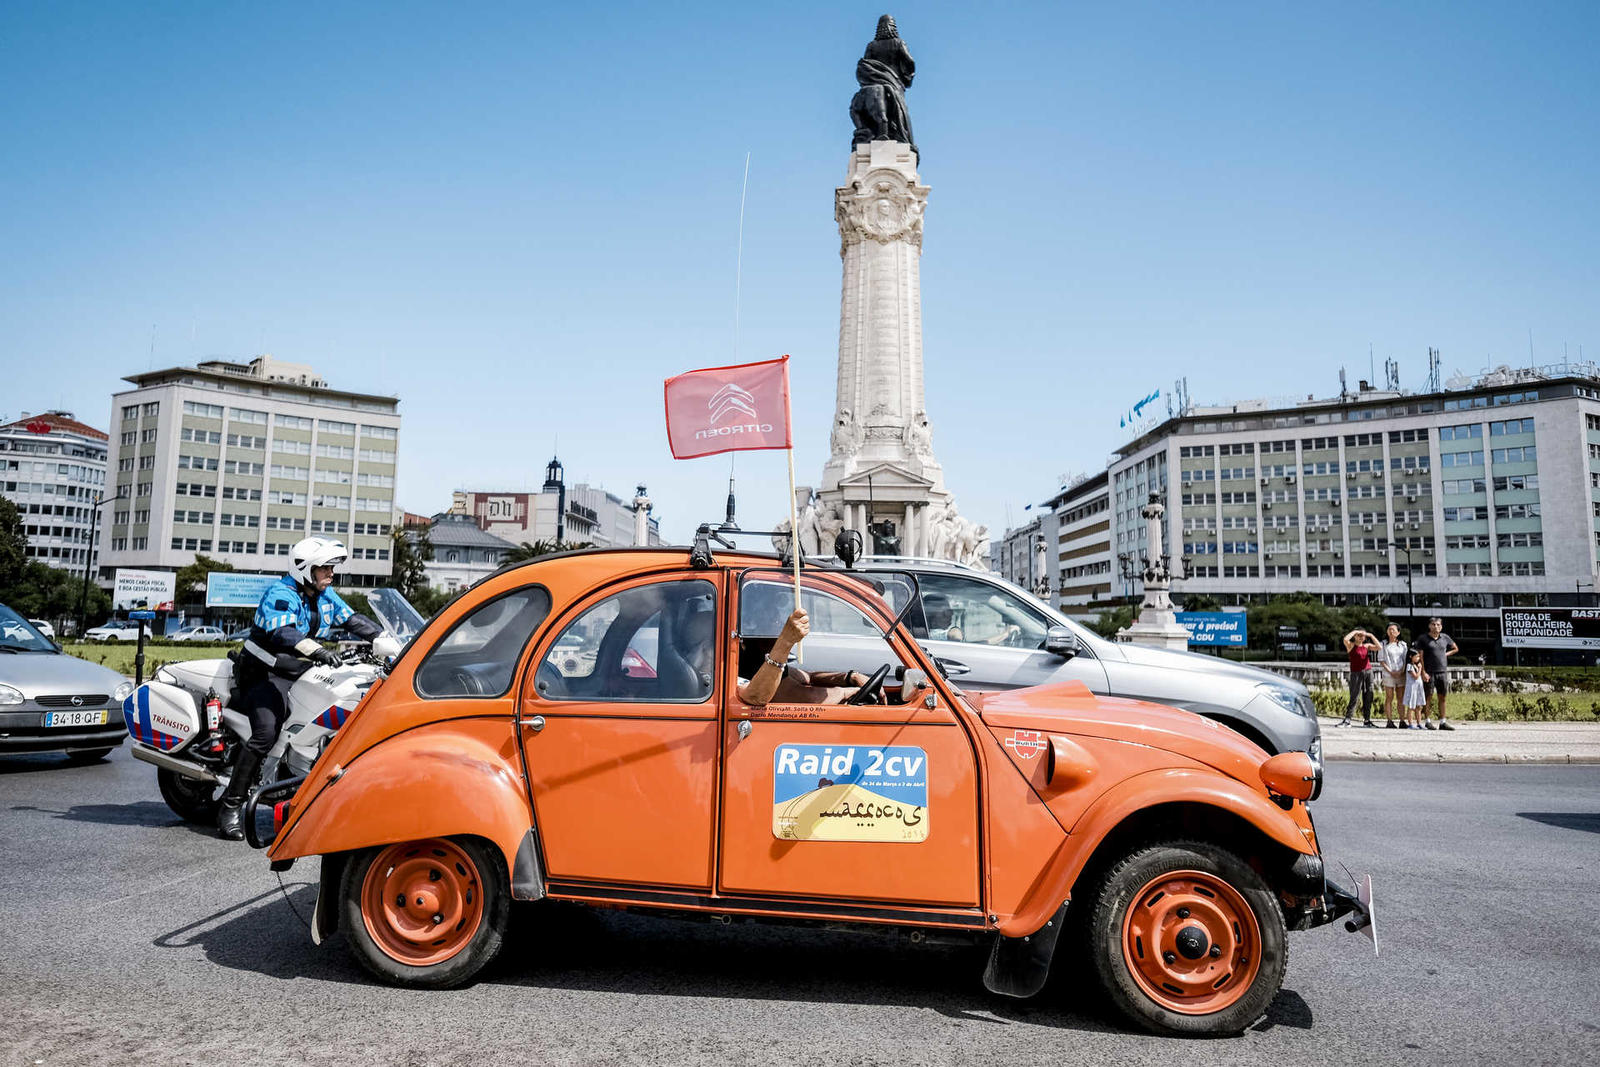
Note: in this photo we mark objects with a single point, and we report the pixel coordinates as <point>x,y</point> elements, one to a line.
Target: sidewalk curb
<point>1403,757</point>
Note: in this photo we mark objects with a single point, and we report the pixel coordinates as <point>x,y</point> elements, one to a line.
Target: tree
<point>542,547</point>
<point>191,579</point>
<point>1199,602</point>
<point>13,549</point>
<point>409,554</point>
<point>1107,623</point>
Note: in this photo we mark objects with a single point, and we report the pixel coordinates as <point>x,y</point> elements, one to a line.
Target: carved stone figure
<point>846,439</point>
<point>919,435</point>
<point>884,73</point>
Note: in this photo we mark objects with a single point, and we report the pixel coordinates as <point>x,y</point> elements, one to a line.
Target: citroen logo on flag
<point>729,400</point>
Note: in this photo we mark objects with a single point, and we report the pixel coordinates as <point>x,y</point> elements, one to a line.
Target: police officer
<point>294,611</point>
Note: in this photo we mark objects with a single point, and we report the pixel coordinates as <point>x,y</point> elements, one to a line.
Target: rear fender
<point>447,779</point>
<point>1174,788</point>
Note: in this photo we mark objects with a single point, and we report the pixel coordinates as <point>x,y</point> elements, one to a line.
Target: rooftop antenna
<point>152,365</point>
<point>730,523</point>
<point>1344,391</point>
<point>1433,369</point>
<point>1372,368</point>
<point>1391,375</point>
<point>1530,347</point>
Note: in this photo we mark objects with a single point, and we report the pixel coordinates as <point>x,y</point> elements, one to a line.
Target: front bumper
<point>23,730</point>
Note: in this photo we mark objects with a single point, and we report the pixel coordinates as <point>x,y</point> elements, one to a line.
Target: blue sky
<point>521,218</point>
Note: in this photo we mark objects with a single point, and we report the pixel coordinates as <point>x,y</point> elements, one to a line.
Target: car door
<point>991,638</point>
<point>871,803</point>
<point>619,725</point>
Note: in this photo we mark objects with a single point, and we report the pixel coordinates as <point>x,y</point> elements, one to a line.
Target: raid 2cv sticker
<point>849,793</point>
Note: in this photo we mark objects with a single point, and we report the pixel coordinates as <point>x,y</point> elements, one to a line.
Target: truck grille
<point>84,700</point>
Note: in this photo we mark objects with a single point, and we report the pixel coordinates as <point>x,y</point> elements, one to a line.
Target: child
<point>1416,696</point>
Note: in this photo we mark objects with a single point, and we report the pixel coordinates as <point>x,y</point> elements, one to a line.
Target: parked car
<point>483,769</point>
<point>116,630</point>
<point>199,633</point>
<point>43,627</point>
<point>51,701</point>
<point>990,635</point>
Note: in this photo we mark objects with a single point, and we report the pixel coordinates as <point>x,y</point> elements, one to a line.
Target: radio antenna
<point>738,265</point>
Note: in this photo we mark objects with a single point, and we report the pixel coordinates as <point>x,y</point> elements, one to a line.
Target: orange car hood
<point>1070,708</point>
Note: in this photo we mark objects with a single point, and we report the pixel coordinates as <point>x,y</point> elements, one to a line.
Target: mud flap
<point>325,913</point>
<point>527,879</point>
<point>1018,966</point>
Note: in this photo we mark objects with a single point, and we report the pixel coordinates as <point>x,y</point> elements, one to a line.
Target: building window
<point>1525,454</point>
<point>204,411</point>
<point>292,422</point>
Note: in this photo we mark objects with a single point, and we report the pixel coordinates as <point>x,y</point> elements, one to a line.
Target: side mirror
<point>913,680</point>
<point>1060,641</point>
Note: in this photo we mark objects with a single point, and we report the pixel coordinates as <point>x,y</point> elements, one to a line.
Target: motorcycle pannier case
<point>162,716</point>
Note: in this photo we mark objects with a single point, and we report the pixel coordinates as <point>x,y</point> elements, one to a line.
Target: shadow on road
<point>1566,820</point>
<point>34,762</point>
<point>152,813</point>
<point>573,948</point>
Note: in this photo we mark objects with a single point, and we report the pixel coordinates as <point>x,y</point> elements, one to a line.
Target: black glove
<point>325,657</point>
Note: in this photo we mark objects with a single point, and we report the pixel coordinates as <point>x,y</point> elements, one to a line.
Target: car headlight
<point>122,691</point>
<point>8,695</point>
<point>1288,699</point>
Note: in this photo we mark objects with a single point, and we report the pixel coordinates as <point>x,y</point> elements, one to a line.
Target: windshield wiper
<point>12,648</point>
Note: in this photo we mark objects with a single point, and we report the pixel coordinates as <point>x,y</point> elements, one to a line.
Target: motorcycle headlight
<point>121,692</point>
<point>8,695</point>
<point>1288,699</point>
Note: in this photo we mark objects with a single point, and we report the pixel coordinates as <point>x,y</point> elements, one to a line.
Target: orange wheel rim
<point>1191,942</point>
<point>422,901</point>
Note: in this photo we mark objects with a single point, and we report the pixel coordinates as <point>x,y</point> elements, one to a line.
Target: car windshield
<point>18,635</point>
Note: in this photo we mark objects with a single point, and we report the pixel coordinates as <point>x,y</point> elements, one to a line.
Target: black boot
<point>230,817</point>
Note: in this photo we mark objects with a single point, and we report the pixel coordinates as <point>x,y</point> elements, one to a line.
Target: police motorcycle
<point>182,723</point>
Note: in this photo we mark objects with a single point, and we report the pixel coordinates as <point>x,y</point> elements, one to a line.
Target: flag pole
<point>794,522</point>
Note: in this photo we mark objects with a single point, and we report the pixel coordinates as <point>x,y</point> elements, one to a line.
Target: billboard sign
<point>149,590</point>
<point>1550,627</point>
<point>229,590</point>
<point>1226,628</point>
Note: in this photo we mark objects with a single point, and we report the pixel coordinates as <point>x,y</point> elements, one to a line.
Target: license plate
<point>75,718</point>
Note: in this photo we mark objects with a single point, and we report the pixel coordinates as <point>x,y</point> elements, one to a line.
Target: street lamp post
<point>88,556</point>
<point>1411,600</point>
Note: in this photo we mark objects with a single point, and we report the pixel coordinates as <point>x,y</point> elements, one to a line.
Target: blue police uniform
<point>284,618</point>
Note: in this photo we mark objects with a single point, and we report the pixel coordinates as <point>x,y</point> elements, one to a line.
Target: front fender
<point>445,779</point>
<point>1169,785</point>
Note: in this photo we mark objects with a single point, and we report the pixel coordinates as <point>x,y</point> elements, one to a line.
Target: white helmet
<point>315,552</point>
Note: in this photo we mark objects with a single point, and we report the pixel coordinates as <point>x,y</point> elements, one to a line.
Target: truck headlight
<point>121,692</point>
<point>1288,699</point>
<point>8,695</point>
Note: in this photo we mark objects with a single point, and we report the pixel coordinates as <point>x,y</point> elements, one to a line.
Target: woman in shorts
<point>1392,662</point>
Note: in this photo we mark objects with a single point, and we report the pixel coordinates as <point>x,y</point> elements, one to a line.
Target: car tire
<point>1187,939</point>
<point>189,798</point>
<point>89,755</point>
<point>393,898</point>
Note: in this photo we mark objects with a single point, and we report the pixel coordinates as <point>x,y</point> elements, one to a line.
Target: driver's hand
<point>325,657</point>
<point>797,626</point>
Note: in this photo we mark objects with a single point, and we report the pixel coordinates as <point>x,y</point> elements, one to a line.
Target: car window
<point>652,643</point>
<point>843,637</point>
<point>479,655</point>
<point>975,612</point>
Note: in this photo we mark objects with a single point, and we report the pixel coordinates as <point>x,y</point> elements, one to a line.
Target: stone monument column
<point>1157,623</point>
<point>881,478</point>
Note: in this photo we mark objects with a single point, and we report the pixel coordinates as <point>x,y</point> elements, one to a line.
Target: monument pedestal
<point>1157,624</point>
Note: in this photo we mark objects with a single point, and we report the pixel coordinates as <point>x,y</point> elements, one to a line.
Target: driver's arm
<point>760,689</point>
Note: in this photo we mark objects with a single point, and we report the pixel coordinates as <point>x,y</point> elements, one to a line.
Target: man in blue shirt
<point>294,611</point>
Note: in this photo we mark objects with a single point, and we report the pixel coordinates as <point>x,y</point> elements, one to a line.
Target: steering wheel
<point>872,688</point>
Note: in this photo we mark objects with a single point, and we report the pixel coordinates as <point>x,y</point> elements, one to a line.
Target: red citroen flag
<point>729,409</point>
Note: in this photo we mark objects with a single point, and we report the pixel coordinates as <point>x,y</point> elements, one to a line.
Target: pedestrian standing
<point>1437,647</point>
<point>1416,696</point>
<point>1359,645</point>
<point>1392,660</point>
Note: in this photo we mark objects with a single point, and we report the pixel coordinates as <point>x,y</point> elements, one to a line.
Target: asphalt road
<point>131,938</point>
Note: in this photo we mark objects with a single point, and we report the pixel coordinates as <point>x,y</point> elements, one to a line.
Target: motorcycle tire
<point>426,914</point>
<point>189,798</point>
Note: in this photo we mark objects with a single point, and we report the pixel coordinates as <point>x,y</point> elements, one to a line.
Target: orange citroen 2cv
<point>602,727</point>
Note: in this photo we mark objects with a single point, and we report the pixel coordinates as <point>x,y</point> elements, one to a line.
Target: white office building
<point>53,468</point>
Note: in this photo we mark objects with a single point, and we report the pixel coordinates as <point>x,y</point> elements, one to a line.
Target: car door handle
<point>743,729</point>
<point>535,724</point>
